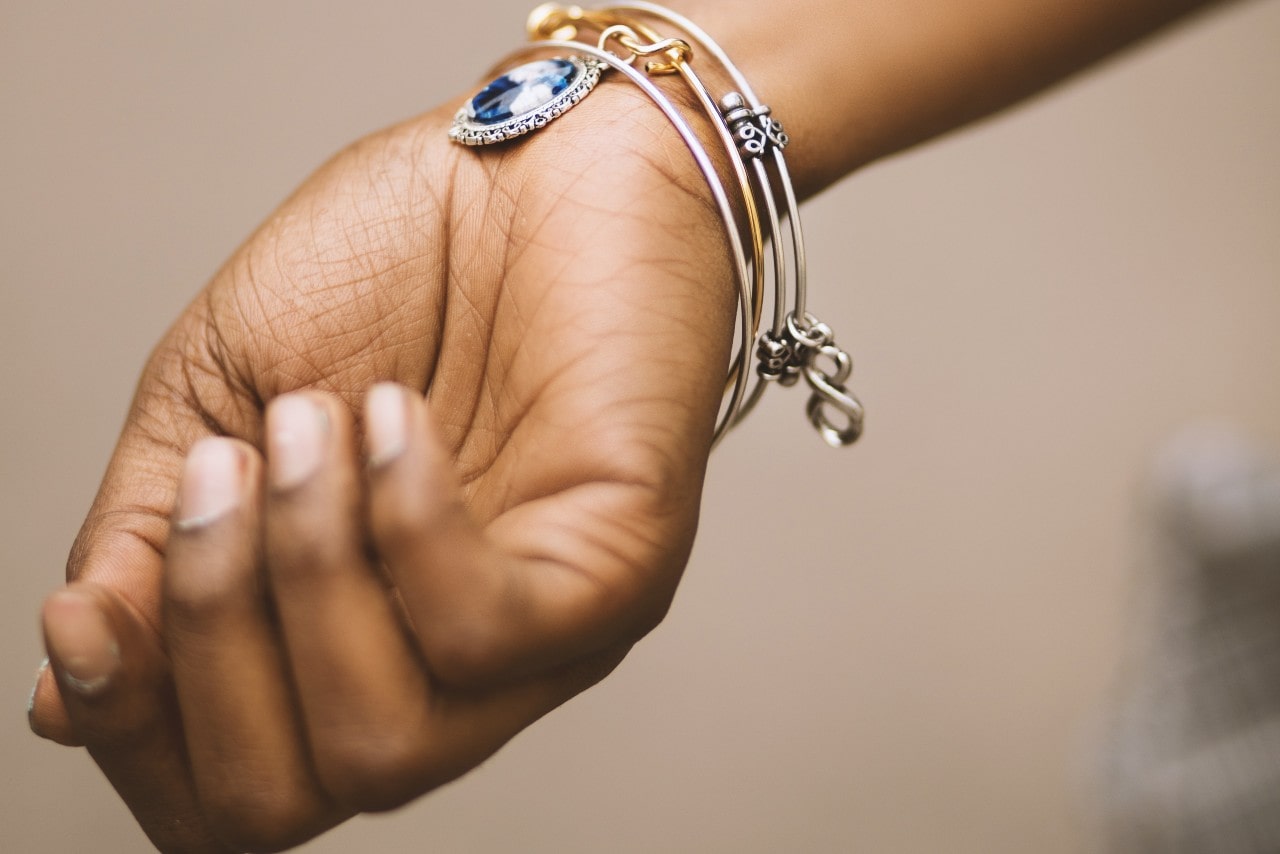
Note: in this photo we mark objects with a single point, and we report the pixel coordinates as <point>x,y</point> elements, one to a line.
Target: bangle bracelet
<point>795,344</point>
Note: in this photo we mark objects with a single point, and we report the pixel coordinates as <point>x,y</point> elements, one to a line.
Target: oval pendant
<point>525,98</point>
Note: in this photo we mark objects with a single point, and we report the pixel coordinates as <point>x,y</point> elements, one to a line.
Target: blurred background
<point>907,646</point>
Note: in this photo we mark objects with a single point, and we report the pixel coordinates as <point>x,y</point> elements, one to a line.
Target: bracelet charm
<point>525,98</point>
<point>755,131</point>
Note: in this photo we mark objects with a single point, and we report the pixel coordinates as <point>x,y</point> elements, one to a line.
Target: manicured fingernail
<point>212,483</point>
<point>35,686</point>
<point>296,430</point>
<point>81,642</point>
<point>385,428</point>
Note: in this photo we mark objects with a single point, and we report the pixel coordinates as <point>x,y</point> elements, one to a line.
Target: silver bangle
<point>795,344</point>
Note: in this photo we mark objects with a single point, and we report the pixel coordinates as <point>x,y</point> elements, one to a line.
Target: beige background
<point>900,648</point>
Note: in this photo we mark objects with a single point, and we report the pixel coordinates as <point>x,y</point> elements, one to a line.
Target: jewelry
<point>525,98</point>
<point>796,344</point>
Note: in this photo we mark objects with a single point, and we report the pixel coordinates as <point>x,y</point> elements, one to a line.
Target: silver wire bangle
<point>796,344</point>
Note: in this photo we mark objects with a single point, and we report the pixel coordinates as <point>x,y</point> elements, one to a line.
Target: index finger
<point>120,701</point>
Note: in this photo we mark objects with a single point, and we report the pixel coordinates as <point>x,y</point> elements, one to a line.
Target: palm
<point>570,330</point>
<point>567,309</point>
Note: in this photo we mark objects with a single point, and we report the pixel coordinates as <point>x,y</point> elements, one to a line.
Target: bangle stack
<point>771,261</point>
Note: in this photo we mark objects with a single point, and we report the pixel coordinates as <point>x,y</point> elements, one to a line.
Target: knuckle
<point>305,546</point>
<point>374,772</point>
<point>404,521</point>
<point>396,528</point>
<point>297,554</point>
<point>261,819</point>
<point>464,653</point>
<point>651,614</point>
<point>123,533</point>
<point>195,597</point>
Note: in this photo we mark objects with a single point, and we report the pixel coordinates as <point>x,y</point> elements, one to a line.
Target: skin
<point>348,640</point>
<point>557,486</point>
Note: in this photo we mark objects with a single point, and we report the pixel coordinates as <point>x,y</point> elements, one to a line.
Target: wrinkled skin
<point>565,302</point>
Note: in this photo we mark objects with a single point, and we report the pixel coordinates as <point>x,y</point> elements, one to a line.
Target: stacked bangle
<point>771,262</point>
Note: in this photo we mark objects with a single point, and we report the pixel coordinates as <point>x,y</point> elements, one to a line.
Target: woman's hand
<point>565,302</point>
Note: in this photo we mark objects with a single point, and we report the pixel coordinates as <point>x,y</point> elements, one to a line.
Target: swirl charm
<point>800,351</point>
<point>829,393</point>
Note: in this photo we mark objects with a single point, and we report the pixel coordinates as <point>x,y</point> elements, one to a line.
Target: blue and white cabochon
<point>525,98</point>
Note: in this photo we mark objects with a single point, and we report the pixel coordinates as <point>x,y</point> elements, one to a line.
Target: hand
<point>566,303</point>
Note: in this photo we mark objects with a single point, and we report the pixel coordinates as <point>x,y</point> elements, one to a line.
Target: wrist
<point>853,82</point>
<point>802,66</point>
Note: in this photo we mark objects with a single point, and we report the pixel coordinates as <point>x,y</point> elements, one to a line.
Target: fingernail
<point>81,642</point>
<point>296,428</point>
<point>385,423</point>
<point>212,483</point>
<point>35,686</point>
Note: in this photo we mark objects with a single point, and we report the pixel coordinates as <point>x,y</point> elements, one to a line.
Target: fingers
<point>365,699</point>
<point>288,728</point>
<point>481,613</point>
<point>380,732</point>
<point>246,750</point>
<point>113,678</point>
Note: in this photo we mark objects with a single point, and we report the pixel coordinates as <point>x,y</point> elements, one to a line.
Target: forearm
<point>857,81</point>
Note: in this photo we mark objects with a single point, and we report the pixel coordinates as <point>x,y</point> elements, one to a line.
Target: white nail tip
<point>31,700</point>
<point>297,440</point>
<point>211,484</point>
<point>85,687</point>
<point>387,427</point>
